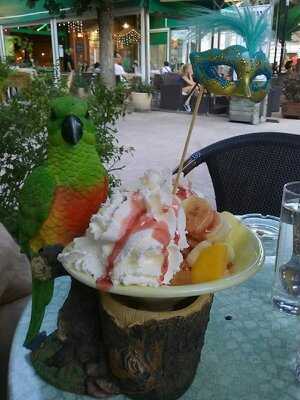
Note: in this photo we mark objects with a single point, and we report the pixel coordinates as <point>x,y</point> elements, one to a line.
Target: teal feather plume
<point>253,27</point>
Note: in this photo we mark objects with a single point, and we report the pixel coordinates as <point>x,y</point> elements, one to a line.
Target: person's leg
<point>189,91</point>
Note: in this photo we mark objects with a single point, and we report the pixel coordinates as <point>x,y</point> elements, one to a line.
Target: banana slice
<point>199,216</point>
<point>220,232</point>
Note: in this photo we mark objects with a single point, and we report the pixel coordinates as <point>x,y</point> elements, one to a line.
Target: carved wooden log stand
<point>107,344</point>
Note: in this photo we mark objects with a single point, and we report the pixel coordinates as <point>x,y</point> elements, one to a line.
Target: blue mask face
<point>253,73</point>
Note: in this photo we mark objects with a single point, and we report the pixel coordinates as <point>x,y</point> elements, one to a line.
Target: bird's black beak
<point>72,129</point>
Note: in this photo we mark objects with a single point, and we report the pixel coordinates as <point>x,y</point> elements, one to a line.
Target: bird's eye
<point>72,129</point>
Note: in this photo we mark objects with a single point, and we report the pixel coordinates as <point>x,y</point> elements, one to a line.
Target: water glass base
<point>286,306</point>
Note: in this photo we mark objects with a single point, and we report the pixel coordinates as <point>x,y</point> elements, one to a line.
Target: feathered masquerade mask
<point>248,69</point>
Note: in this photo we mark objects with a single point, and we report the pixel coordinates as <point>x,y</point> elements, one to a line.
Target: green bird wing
<point>36,198</point>
<point>35,202</point>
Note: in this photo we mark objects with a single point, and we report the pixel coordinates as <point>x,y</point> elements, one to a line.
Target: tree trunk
<point>105,20</point>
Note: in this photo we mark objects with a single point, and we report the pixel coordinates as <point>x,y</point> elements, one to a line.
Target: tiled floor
<point>158,139</point>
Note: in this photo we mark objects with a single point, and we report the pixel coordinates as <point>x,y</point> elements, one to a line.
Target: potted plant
<point>80,85</point>
<point>291,90</point>
<point>141,96</point>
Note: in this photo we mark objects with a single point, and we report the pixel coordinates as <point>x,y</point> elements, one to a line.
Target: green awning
<point>178,9</point>
<point>13,12</point>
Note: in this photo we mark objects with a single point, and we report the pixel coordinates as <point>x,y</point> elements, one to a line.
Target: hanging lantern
<point>127,37</point>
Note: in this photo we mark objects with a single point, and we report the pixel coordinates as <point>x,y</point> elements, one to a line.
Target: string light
<point>75,26</point>
<point>126,38</point>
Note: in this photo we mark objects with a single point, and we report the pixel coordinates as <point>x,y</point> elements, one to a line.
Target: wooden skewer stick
<point>187,142</point>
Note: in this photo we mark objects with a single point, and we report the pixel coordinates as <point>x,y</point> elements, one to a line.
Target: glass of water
<point>286,287</point>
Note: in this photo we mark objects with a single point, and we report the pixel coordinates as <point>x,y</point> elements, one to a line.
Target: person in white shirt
<point>120,73</point>
<point>166,69</point>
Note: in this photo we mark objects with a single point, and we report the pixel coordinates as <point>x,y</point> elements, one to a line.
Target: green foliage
<point>23,140</point>
<point>63,106</point>
<point>5,71</point>
<point>80,82</point>
<point>106,106</point>
<point>141,87</point>
<point>23,136</point>
<point>291,89</point>
<point>285,32</point>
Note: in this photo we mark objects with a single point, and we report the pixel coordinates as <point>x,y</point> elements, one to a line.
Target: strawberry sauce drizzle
<point>176,238</point>
<point>183,192</point>
<point>137,221</point>
<point>176,206</point>
<point>165,265</point>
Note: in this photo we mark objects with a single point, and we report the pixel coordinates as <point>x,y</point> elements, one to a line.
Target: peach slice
<point>184,276</point>
<point>211,263</point>
<point>199,217</point>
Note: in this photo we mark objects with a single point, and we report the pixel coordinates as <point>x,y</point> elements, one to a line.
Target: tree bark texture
<point>106,21</point>
<point>153,355</point>
<point>116,345</point>
<point>72,358</point>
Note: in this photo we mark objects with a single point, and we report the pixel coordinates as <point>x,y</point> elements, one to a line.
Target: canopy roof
<point>179,9</point>
<point>13,12</point>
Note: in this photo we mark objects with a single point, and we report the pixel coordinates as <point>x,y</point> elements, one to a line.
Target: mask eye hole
<point>260,81</point>
<point>223,73</point>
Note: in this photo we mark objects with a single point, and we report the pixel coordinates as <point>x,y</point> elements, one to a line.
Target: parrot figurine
<point>59,197</point>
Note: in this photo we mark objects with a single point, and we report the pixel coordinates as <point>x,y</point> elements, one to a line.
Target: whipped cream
<point>136,237</point>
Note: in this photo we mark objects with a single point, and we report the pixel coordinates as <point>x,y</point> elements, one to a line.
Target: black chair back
<point>248,172</point>
<point>171,97</point>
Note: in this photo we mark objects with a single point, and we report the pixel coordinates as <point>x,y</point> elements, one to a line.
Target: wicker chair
<point>248,172</point>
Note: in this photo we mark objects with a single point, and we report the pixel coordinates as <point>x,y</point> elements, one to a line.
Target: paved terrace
<point>158,139</point>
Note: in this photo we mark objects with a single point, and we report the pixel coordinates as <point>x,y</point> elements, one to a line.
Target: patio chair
<point>248,172</point>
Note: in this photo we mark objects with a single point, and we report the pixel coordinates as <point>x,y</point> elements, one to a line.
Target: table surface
<point>248,357</point>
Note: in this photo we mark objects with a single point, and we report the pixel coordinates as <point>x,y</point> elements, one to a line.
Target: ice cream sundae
<point>150,237</point>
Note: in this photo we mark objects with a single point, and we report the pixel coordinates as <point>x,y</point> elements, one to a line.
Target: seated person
<point>166,69</point>
<point>120,73</point>
<point>188,84</point>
